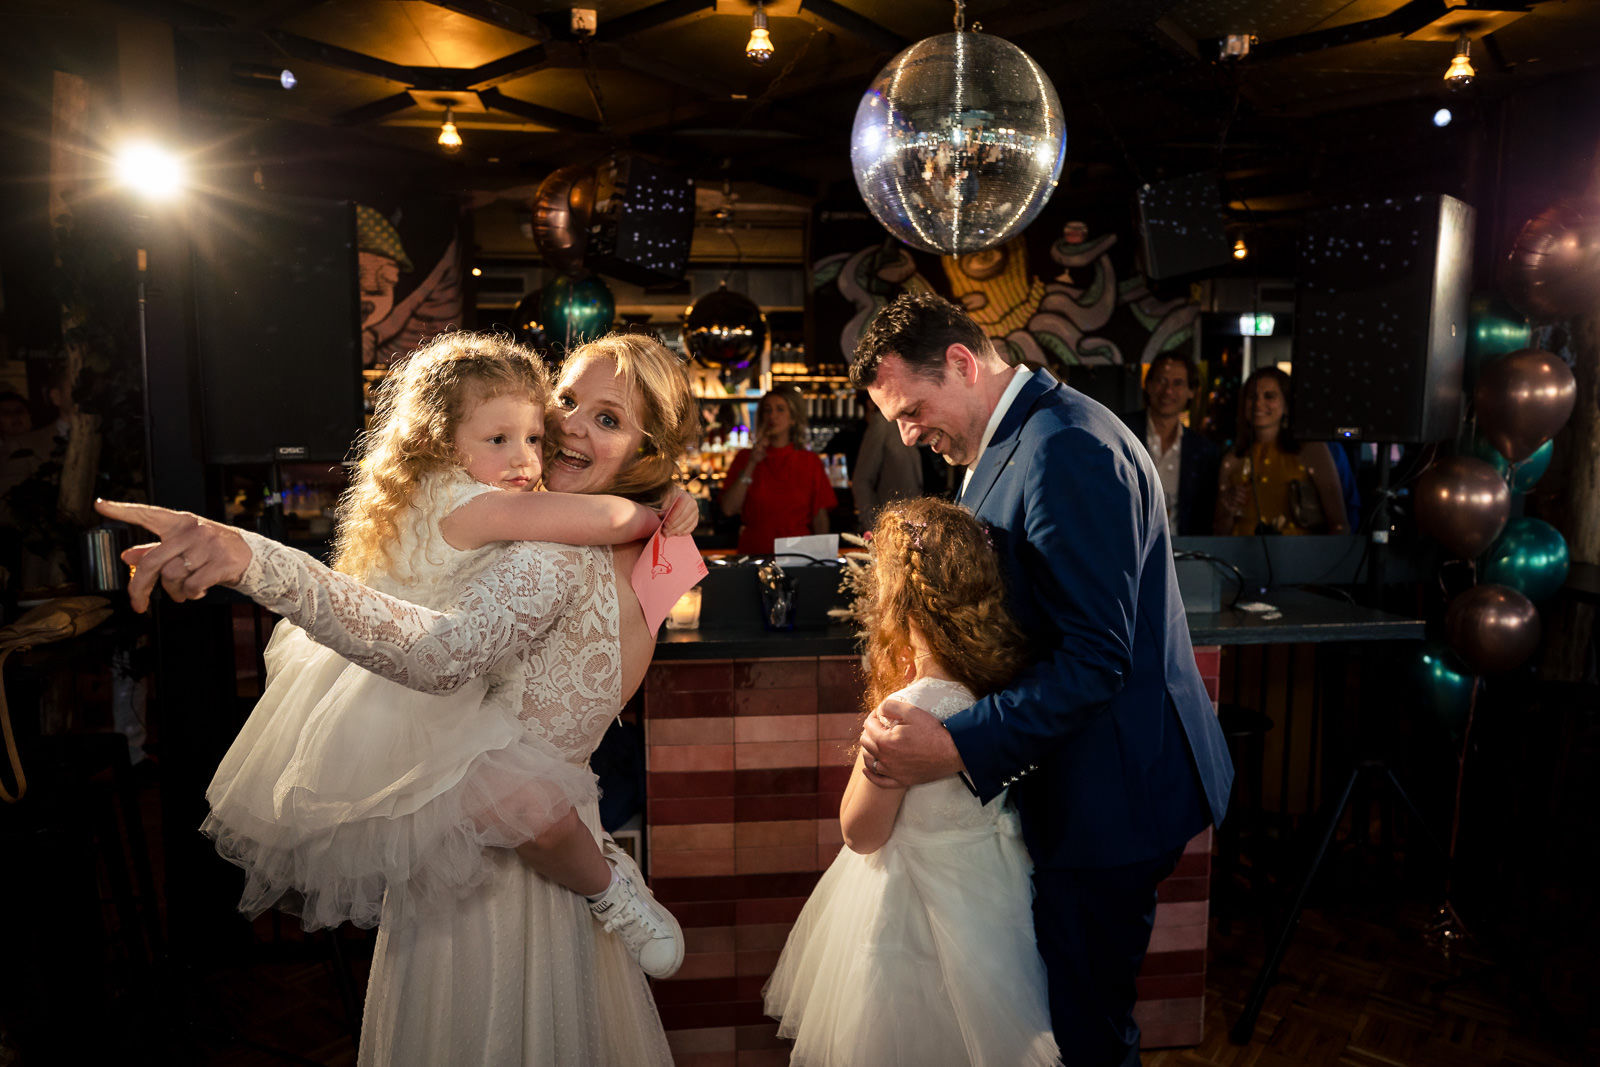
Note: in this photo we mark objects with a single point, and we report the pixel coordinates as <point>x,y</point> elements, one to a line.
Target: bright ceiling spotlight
<point>1442,117</point>
<point>759,48</point>
<point>149,170</point>
<point>1460,73</point>
<point>263,74</point>
<point>449,136</point>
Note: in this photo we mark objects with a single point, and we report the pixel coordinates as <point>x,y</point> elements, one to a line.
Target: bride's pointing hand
<point>193,555</point>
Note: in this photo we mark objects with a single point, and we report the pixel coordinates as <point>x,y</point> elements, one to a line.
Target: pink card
<point>667,568</point>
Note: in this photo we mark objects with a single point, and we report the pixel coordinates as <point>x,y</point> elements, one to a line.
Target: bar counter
<point>748,735</point>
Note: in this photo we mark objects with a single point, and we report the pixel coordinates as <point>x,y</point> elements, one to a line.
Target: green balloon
<point>1526,474</point>
<point>1446,689</point>
<point>576,309</point>
<point>1493,329</point>
<point>1530,557</point>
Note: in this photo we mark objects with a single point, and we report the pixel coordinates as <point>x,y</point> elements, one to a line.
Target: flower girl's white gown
<point>922,952</point>
<point>343,784</point>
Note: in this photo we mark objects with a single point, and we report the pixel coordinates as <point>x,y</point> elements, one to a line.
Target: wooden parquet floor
<point>1359,986</point>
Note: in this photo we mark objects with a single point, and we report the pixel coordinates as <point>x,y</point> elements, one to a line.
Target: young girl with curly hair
<point>344,785</point>
<point>917,945</point>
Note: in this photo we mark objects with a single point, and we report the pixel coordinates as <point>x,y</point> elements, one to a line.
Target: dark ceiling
<point>1331,90</point>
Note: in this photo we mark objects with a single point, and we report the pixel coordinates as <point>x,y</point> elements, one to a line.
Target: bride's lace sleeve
<point>501,611</point>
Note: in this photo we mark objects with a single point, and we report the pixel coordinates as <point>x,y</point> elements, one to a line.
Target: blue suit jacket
<point>1107,738</point>
<point>1198,460</point>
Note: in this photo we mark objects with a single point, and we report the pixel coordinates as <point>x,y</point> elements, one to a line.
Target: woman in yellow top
<point>1254,495</point>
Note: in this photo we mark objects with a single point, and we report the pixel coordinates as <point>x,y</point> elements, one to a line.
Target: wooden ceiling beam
<point>666,13</point>
<point>858,26</point>
<point>378,109</point>
<point>494,13</point>
<point>544,116</point>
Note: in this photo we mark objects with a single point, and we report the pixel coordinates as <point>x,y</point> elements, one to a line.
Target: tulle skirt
<point>517,973</point>
<point>921,953</point>
<point>343,786</point>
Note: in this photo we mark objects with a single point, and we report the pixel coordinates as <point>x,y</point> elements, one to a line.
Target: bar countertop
<point>1301,616</point>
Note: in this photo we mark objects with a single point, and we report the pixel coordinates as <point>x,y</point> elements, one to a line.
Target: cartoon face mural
<point>392,325</point>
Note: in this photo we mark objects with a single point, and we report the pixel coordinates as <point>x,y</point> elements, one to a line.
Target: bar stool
<point>1244,730</point>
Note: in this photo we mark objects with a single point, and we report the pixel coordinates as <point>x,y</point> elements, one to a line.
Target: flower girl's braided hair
<point>412,435</point>
<point>933,567</point>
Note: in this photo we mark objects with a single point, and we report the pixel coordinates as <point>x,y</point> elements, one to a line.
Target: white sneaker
<point>629,910</point>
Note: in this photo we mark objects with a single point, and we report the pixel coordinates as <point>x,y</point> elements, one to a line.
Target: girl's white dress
<point>922,952</point>
<point>343,784</point>
<point>487,963</point>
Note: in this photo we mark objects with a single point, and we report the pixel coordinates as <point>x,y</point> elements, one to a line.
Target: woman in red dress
<point>777,488</point>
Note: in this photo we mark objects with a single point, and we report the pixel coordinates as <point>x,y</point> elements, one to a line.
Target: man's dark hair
<point>1182,360</point>
<point>917,328</point>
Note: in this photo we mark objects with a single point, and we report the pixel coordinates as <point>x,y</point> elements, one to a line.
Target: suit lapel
<point>1003,445</point>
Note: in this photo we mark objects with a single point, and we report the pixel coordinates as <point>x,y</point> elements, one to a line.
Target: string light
<point>449,136</point>
<point>759,48</point>
<point>1240,250</point>
<point>1460,72</point>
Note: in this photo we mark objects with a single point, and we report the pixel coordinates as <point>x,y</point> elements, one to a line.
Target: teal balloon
<point>1446,687</point>
<point>1527,473</point>
<point>1530,557</point>
<point>576,309</point>
<point>1494,328</point>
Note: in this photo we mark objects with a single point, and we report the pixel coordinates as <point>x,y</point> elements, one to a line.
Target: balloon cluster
<point>577,306</point>
<point>1522,398</point>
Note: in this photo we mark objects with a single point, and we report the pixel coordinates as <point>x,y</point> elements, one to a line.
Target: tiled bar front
<point>747,760</point>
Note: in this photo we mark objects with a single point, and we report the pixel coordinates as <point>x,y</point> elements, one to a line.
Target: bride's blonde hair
<point>418,407</point>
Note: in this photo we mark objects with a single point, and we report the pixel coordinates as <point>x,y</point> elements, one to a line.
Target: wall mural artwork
<point>402,306</point>
<point>1077,311</point>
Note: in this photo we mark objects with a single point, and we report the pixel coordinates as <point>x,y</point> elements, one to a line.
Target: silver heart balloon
<point>958,143</point>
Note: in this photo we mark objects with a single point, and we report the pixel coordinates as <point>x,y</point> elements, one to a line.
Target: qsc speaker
<point>643,222</point>
<point>1381,320</point>
<point>1181,226</point>
<point>278,329</point>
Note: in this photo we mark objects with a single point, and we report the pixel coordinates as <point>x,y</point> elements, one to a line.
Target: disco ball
<point>958,143</point>
<point>725,329</point>
<point>1553,271</point>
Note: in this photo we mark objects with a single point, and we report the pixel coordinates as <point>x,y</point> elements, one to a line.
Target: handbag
<point>54,620</point>
<point>1305,504</point>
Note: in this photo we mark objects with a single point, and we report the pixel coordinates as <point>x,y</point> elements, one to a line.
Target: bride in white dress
<point>917,945</point>
<point>517,971</point>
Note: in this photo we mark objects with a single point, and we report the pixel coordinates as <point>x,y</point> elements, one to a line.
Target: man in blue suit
<point>1186,462</point>
<point>1107,739</point>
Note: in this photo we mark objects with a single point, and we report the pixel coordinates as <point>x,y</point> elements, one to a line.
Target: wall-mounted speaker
<point>278,329</point>
<point>1181,228</point>
<point>643,223</point>
<point>1381,320</point>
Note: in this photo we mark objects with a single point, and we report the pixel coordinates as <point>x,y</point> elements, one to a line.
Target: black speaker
<point>278,329</point>
<point>1181,226</point>
<point>643,222</point>
<point>1381,320</point>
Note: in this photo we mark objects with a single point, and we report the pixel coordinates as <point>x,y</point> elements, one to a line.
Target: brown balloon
<point>1492,628</point>
<point>561,212</point>
<point>1522,399</point>
<point>1463,503</point>
<point>1553,270</point>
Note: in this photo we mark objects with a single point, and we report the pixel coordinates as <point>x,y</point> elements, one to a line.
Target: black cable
<point>1217,561</point>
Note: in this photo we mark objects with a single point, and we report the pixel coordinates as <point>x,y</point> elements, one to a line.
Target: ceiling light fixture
<point>1240,249</point>
<point>262,74</point>
<point>1460,72</point>
<point>449,136</point>
<point>759,48</point>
